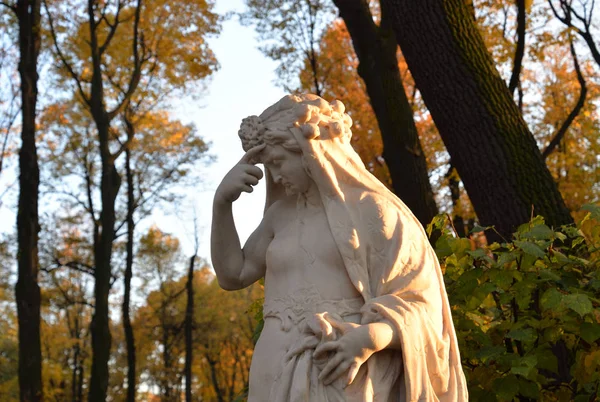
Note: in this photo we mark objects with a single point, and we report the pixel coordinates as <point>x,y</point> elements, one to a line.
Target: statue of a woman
<point>355,306</point>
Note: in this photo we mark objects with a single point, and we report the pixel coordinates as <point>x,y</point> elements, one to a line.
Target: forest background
<point>134,122</point>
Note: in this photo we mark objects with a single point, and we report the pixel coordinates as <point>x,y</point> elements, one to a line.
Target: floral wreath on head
<point>315,117</point>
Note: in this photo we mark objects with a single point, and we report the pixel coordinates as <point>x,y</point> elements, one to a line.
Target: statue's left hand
<point>352,349</point>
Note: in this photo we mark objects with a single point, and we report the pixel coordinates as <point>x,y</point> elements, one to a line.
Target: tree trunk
<point>490,144</point>
<point>100,329</point>
<point>109,187</point>
<point>376,47</point>
<point>27,289</point>
<point>110,183</point>
<point>213,376</point>
<point>167,386</point>
<point>189,317</point>
<point>129,338</point>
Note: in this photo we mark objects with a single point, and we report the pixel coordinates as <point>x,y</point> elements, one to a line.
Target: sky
<point>243,86</point>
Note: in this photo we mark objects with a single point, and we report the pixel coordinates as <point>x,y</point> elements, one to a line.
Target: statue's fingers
<point>254,171</point>
<point>354,367</point>
<point>247,188</point>
<point>343,326</point>
<point>337,373</point>
<point>252,153</point>
<point>250,179</point>
<point>331,365</point>
<point>326,347</point>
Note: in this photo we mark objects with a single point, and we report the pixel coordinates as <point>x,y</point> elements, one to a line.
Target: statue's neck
<point>310,199</point>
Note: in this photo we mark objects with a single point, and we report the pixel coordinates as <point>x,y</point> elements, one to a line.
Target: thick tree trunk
<point>189,317</point>
<point>27,289</point>
<point>375,47</point>
<point>489,142</point>
<point>129,338</point>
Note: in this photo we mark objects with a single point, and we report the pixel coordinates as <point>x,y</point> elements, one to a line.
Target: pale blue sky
<point>243,86</point>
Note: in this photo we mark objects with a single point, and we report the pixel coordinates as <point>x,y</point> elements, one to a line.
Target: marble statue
<point>355,306</point>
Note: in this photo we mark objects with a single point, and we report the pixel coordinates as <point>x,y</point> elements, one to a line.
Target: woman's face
<point>286,168</point>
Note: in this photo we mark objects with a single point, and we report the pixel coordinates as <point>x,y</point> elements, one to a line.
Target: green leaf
<point>590,332</point>
<point>505,258</point>
<point>506,388</point>
<point>521,370</point>
<point>530,248</point>
<point>438,222</point>
<point>442,248</point>
<point>490,353</point>
<point>561,236</point>
<point>524,365</point>
<point>502,279</point>
<point>579,303</point>
<point>546,360</point>
<point>529,389</point>
<point>459,246</point>
<point>593,209</point>
<point>523,293</point>
<point>560,257</point>
<point>547,274</point>
<point>522,334</point>
<point>477,229</point>
<point>539,232</point>
<point>551,299</point>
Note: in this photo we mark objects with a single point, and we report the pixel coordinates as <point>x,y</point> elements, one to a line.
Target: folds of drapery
<point>392,265</point>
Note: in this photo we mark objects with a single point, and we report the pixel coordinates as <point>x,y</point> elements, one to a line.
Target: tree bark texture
<point>189,317</point>
<point>27,289</point>
<point>490,144</point>
<point>376,47</point>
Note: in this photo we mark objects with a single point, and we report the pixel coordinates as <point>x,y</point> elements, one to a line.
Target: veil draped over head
<point>385,251</point>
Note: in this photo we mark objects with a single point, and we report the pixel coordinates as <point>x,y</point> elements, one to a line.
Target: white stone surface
<point>355,305</point>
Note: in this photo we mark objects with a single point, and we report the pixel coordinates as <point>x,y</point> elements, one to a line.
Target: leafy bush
<point>526,311</point>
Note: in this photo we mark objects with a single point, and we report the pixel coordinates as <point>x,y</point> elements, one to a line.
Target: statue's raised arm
<point>355,305</point>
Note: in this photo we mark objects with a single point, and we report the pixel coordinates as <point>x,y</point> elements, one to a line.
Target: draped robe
<point>389,261</point>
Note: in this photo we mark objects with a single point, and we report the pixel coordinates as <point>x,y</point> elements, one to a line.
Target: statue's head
<point>282,125</point>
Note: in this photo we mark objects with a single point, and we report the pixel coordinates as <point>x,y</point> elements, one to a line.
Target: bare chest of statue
<point>303,254</point>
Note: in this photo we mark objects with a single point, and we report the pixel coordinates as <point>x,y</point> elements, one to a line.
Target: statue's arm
<point>237,268</point>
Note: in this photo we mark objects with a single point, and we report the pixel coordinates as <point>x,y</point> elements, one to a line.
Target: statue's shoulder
<point>279,209</point>
<point>376,204</point>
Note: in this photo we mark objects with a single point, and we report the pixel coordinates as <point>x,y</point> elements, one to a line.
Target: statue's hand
<point>240,178</point>
<point>352,349</point>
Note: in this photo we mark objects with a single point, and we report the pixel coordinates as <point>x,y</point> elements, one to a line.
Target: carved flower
<point>251,132</point>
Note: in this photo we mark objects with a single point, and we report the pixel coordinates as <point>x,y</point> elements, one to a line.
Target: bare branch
<point>574,113</point>
<point>62,57</point>
<point>11,120</point>
<point>520,50</point>
<point>12,7</point>
<point>137,67</point>
<point>585,33</point>
<point>113,27</point>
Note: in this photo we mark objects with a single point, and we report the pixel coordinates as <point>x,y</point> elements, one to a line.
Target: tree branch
<point>113,27</point>
<point>578,106</point>
<point>137,66</point>
<point>520,50</point>
<point>62,57</point>
<point>586,19</point>
<point>12,7</point>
